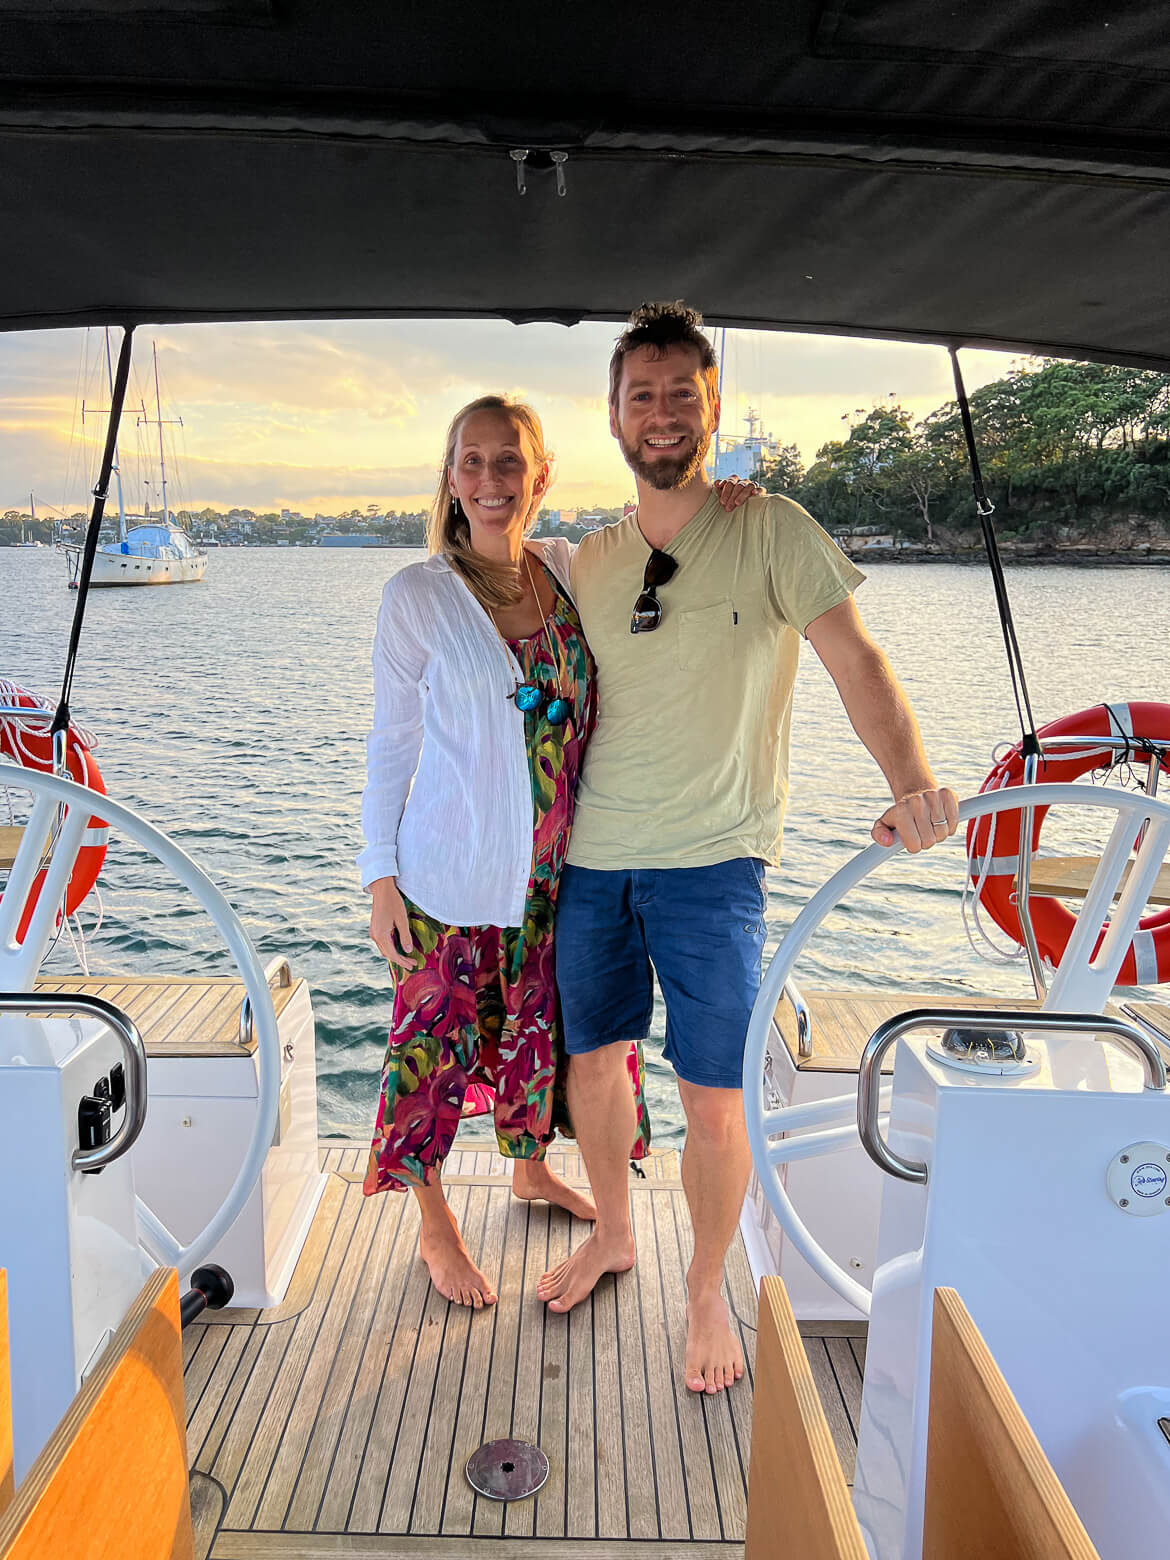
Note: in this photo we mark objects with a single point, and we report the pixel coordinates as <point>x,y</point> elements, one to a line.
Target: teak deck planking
<point>842,1022</point>
<point>1068,877</point>
<point>188,1016</point>
<point>339,1422</point>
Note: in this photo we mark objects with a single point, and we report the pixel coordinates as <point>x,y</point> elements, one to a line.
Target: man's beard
<point>668,473</point>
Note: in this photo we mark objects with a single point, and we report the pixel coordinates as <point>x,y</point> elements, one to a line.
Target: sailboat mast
<point>722,355</point>
<point>117,461</point>
<point>32,517</point>
<point>162,460</point>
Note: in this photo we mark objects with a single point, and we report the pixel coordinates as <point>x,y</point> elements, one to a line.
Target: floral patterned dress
<point>475,1023</point>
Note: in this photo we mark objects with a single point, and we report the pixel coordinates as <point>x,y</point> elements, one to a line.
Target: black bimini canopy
<point>982,172</point>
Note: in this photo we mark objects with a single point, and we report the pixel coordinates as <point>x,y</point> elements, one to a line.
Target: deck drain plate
<point>507,1469</point>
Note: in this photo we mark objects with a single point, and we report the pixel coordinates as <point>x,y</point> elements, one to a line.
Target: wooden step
<point>842,1022</point>
<point>10,838</point>
<point>177,1015</point>
<point>1068,877</point>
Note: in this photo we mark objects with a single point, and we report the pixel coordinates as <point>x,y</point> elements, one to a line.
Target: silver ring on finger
<point>938,823</point>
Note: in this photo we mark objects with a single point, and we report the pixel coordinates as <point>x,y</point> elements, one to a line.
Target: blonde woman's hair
<point>494,585</point>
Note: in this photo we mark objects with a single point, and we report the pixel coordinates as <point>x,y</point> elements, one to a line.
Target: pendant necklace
<point>530,695</point>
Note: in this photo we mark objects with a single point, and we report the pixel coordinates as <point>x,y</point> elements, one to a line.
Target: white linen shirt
<point>447,808</point>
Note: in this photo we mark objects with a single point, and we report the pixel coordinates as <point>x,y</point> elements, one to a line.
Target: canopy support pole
<point>1029,742</point>
<point>60,726</point>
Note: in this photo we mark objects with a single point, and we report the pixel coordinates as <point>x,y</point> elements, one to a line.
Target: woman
<point>483,696</point>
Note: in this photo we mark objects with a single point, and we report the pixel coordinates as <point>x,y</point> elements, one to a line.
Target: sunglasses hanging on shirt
<point>660,570</point>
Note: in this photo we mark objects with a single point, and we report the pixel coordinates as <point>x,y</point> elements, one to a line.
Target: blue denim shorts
<point>701,928</point>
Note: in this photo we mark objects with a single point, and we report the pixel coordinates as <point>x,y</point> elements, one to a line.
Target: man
<point>682,793</point>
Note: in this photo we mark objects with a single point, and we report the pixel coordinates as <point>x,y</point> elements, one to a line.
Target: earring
<point>455,511</point>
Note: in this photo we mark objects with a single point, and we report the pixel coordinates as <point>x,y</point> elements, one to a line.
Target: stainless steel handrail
<point>883,1037</point>
<point>1153,770</point>
<point>804,1045</point>
<point>276,966</point>
<point>123,1026</point>
<point>1023,887</point>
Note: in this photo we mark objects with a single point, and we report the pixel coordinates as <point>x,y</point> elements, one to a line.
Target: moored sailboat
<point>150,553</point>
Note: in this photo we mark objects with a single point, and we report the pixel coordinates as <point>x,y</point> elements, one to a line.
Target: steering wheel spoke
<point>1084,979</point>
<point>156,1240</point>
<point>810,1145</point>
<point>19,961</point>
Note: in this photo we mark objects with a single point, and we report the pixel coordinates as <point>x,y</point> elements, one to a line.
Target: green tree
<point>782,472</point>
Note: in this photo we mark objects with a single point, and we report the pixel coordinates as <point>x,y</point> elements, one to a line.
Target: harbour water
<point>232,714</point>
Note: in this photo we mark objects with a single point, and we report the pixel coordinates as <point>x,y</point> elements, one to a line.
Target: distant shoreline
<point>1077,557</point>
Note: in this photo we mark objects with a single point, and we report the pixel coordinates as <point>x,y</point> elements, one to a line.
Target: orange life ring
<point>34,750</point>
<point>1147,961</point>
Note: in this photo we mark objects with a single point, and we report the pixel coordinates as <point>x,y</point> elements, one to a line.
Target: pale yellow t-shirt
<point>688,765</point>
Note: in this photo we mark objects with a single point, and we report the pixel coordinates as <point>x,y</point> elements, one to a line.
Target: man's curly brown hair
<point>664,325</point>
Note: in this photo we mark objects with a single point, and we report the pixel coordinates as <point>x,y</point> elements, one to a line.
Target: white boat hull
<point>122,569</point>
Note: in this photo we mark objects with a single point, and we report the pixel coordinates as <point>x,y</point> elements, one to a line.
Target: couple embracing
<point>577,774</point>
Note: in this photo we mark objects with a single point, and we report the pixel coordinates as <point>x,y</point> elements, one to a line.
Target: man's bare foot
<point>534,1181</point>
<point>452,1271</point>
<point>564,1286</point>
<point>714,1358</point>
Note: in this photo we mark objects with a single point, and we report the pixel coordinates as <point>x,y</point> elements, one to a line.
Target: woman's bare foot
<point>452,1271</point>
<point>714,1359</point>
<point>564,1286</point>
<point>448,1261</point>
<point>534,1181</point>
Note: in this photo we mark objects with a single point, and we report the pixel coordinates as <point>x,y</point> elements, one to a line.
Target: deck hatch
<point>507,1469</point>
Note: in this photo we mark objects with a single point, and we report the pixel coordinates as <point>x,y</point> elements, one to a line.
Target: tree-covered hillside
<point>1071,452</point>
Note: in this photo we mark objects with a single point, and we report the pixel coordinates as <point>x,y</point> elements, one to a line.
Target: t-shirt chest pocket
<point>706,635</point>
<point>724,631</point>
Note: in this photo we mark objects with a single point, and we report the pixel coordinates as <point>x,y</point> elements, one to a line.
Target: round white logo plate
<point>1138,1179</point>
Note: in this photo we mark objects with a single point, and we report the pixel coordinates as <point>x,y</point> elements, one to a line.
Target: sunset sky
<point>332,416</point>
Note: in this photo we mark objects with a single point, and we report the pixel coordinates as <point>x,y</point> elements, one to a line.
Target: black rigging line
<point>61,718</point>
<point>1030,743</point>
